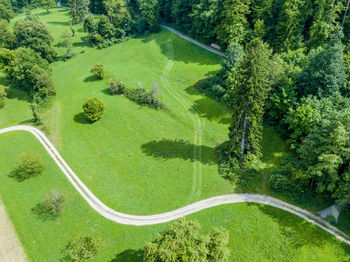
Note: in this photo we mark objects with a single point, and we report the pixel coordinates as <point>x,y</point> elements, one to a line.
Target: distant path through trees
<point>211,49</point>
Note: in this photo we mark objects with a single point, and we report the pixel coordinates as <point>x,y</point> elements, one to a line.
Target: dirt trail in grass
<point>197,125</point>
<point>10,247</point>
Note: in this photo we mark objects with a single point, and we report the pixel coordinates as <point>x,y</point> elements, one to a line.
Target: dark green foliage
<point>149,10</point>
<point>252,84</point>
<point>79,9</point>
<point>205,16</point>
<point>33,34</point>
<point>93,109</point>
<point>299,122</point>
<point>5,12</point>
<point>20,69</point>
<point>182,242</point>
<point>29,164</point>
<point>325,73</point>
<point>105,27</point>
<point>2,97</point>
<point>7,38</point>
<point>234,25</point>
<point>280,183</point>
<point>35,107</point>
<point>144,97</point>
<point>116,87</point>
<point>47,4</point>
<point>98,70</point>
<point>82,248</point>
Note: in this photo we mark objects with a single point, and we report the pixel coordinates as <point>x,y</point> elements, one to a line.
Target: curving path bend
<point>127,219</point>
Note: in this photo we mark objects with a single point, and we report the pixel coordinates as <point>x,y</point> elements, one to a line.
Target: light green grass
<point>140,161</point>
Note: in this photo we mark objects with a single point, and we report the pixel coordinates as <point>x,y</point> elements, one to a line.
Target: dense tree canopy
<point>31,33</point>
<point>182,242</point>
<point>251,86</point>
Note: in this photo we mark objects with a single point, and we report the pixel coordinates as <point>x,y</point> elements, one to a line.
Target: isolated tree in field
<point>98,70</point>
<point>234,25</point>
<point>67,42</point>
<point>93,109</point>
<point>182,242</point>
<point>82,248</point>
<point>325,73</point>
<point>252,83</point>
<point>47,4</point>
<point>150,14</point>
<point>29,164</point>
<point>2,97</point>
<point>33,34</point>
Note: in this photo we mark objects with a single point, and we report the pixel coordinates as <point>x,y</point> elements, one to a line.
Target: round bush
<point>93,109</point>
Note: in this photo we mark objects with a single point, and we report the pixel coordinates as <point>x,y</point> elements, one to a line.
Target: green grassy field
<point>142,161</point>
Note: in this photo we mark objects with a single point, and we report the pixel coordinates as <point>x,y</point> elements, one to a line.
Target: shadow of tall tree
<point>297,230</point>
<point>129,255</point>
<point>178,49</point>
<point>180,149</point>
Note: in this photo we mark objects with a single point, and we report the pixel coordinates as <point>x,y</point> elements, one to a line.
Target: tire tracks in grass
<point>197,124</point>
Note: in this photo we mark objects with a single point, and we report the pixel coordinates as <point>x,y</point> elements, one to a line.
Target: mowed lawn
<point>138,160</point>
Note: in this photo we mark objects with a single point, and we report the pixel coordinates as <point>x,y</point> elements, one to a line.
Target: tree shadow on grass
<point>299,231</point>
<point>64,23</point>
<point>80,118</point>
<point>211,110</point>
<point>84,42</point>
<point>178,49</point>
<point>181,149</point>
<point>91,78</point>
<point>129,255</point>
<point>14,93</point>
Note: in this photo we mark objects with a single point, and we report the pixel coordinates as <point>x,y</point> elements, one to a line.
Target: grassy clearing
<point>139,160</point>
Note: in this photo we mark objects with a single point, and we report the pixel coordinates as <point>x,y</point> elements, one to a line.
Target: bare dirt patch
<point>10,247</point>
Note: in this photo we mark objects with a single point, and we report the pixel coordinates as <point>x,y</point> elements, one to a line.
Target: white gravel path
<point>127,219</point>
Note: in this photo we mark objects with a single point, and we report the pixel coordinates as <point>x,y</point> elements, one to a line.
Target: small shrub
<point>96,39</point>
<point>93,109</point>
<point>36,113</point>
<point>116,87</point>
<point>51,208</point>
<point>143,97</point>
<point>29,164</point>
<point>98,70</point>
<point>280,183</point>
<point>82,248</point>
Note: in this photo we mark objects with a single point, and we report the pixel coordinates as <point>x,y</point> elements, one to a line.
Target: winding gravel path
<point>126,219</point>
